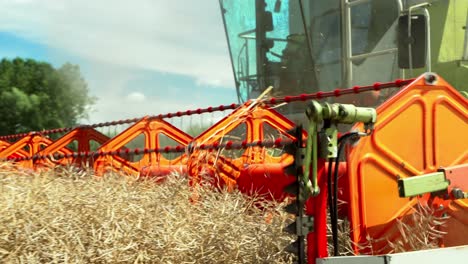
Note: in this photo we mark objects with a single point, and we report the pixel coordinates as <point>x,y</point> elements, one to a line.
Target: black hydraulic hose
<point>334,213</point>
<point>330,189</point>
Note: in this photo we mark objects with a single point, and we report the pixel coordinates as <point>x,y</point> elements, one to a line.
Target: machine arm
<point>322,142</point>
<point>330,115</point>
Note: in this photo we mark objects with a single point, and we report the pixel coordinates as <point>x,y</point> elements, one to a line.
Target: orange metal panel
<point>421,128</point>
<point>83,136</point>
<point>244,171</point>
<point>19,154</point>
<point>26,146</point>
<point>151,128</point>
<point>3,145</point>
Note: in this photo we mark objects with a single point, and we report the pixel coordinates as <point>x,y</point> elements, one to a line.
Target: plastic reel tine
<point>291,148</point>
<point>290,169</point>
<point>291,228</point>
<point>293,247</point>
<point>292,188</point>
<point>293,131</point>
<point>292,208</point>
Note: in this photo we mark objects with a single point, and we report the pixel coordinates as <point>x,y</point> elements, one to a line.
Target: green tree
<point>36,96</point>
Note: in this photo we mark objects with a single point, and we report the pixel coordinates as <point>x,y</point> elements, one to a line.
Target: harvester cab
<point>300,46</point>
<point>417,154</point>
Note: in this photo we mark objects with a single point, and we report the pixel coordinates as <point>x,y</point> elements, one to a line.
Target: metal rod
<point>356,2</point>
<point>245,33</point>
<point>309,41</point>
<point>465,49</point>
<point>348,46</point>
<point>410,51</point>
<point>374,54</point>
<point>344,71</point>
<point>253,37</point>
<point>400,6</point>
<point>428,41</point>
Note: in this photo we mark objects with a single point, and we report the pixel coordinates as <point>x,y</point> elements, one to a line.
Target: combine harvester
<point>414,153</point>
<point>371,155</point>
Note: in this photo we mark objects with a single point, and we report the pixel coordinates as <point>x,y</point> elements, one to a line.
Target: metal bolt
<point>458,194</point>
<point>430,79</point>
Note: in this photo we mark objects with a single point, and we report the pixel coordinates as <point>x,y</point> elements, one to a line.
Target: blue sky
<point>139,57</point>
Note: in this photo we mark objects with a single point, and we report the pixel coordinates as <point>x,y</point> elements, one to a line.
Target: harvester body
<point>373,156</point>
<point>419,141</point>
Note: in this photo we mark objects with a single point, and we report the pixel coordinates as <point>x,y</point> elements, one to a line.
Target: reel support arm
<point>330,115</point>
<point>322,142</point>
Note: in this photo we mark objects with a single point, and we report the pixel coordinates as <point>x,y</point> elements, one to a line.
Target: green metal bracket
<point>328,139</point>
<point>464,93</point>
<point>418,185</point>
<point>311,187</point>
<point>333,114</point>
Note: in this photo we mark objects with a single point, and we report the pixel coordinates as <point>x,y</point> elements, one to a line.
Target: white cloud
<point>117,39</point>
<point>177,36</point>
<point>136,97</point>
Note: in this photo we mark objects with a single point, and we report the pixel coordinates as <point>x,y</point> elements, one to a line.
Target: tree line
<point>35,96</point>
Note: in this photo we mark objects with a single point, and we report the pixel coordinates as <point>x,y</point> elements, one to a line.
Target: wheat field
<point>71,216</point>
<point>67,215</point>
